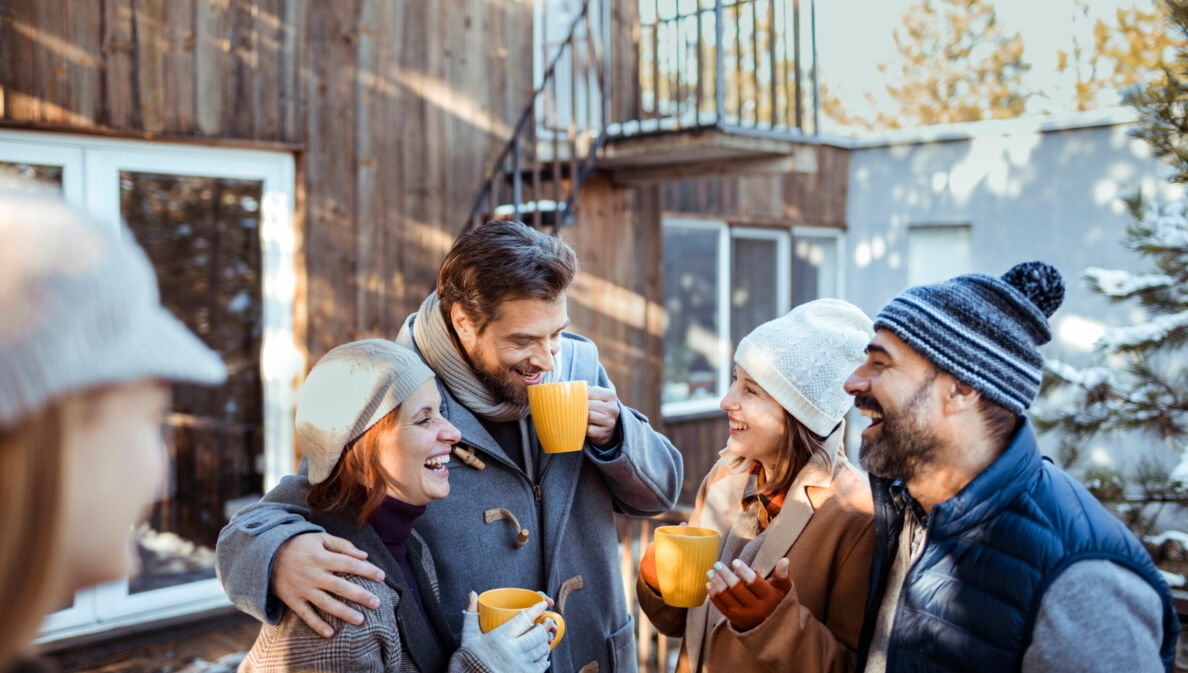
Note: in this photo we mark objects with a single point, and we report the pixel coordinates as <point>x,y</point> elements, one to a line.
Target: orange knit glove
<point>647,567</point>
<point>747,599</point>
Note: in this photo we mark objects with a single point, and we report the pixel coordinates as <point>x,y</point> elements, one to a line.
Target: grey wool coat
<point>567,507</point>
<point>393,638</point>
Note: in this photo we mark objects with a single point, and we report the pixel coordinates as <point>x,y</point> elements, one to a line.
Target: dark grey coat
<point>571,551</point>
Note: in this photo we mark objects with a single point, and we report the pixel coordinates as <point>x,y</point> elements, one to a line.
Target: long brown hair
<point>32,487</point>
<point>358,482</point>
<point>799,445</point>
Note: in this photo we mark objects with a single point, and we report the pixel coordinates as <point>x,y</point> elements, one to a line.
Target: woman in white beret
<point>794,517</point>
<point>370,425</point>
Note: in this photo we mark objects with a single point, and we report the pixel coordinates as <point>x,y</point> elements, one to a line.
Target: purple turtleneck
<point>393,520</point>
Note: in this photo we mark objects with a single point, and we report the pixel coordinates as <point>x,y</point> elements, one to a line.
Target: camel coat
<point>826,530</point>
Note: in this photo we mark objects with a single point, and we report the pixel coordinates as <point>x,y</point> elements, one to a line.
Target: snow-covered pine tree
<point>1140,384</point>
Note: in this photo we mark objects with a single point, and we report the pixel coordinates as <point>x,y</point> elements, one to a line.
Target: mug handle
<point>559,621</point>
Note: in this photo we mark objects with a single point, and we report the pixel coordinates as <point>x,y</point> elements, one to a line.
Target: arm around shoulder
<point>248,544</point>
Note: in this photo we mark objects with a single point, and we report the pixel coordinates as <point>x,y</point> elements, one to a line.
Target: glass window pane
<point>14,173</point>
<point>753,297</point>
<point>691,342</point>
<point>814,268</point>
<point>937,253</point>
<point>202,235</point>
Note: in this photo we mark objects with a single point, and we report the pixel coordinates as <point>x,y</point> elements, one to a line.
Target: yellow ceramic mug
<point>559,413</point>
<point>496,606</point>
<point>684,555</point>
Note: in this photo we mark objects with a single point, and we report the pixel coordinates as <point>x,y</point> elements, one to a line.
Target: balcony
<point>713,80</point>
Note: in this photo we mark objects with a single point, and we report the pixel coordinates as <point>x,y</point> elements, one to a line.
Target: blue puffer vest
<point>970,601</point>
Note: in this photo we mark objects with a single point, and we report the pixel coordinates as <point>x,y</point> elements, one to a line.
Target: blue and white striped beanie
<point>985,331</point>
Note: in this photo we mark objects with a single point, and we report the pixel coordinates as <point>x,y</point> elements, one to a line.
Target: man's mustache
<point>867,402</point>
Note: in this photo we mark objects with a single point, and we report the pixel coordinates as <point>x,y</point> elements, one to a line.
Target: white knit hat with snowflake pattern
<point>803,358</point>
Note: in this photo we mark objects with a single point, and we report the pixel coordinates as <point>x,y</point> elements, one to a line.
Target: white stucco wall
<point>1046,188</point>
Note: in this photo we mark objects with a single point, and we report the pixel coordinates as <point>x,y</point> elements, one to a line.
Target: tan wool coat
<point>826,530</point>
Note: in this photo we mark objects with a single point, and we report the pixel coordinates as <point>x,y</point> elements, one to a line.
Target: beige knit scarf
<point>437,346</point>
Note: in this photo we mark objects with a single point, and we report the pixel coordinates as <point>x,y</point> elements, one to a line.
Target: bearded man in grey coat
<point>518,517</point>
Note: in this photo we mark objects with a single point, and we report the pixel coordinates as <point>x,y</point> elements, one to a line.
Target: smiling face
<point>415,451</point>
<point>513,351</point>
<point>757,427</point>
<point>897,389</point>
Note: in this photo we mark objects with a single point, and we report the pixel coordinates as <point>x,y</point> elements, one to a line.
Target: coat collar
<point>563,469</point>
<point>416,634</point>
<point>990,491</point>
<point>986,495</point>
<point>473,432</point>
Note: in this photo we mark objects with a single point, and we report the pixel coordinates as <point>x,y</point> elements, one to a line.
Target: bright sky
<point>851,43</point>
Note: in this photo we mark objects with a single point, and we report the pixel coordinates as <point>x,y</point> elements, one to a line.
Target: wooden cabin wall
<point>396,109</point>
<point>789,199</point>
<point>616,298</point>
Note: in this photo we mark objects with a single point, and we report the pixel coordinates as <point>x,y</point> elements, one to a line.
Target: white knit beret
<point>79,309</point>
<point>803,358</point>
<point>349,390</point>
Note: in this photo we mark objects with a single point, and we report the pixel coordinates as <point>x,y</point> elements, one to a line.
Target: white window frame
<point>90,181</point>
<point>839,237</point>
<point>726,236</point>
<point>921,227</point>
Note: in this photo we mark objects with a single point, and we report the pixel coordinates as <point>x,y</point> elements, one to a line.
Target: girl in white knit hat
<point>370,425</point>
<point>86,356</point>
<point>794,517</point>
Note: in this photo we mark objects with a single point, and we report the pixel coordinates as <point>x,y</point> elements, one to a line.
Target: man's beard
<point>503,382</point>
<point>904,444</point>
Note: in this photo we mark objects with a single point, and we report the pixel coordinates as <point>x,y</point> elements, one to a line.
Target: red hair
<point>358,482</point>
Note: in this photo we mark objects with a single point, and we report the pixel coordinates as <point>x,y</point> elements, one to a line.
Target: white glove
<point>516,646</point>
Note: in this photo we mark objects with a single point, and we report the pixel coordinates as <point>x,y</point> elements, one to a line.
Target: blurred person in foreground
<point>86,355</point>
<point>369,422</point>
<point>794,517</point>
<point>989,557</point>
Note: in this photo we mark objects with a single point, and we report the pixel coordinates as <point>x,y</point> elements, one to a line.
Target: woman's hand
<point>745,598</point>
<point>647,567</point>
<point>303,578</point>
<point>518,645</point>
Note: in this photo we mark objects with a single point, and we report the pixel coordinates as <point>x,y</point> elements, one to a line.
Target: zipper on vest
<point>536,493</point>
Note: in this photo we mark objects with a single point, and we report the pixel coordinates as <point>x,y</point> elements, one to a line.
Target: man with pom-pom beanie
<point>989,558</point>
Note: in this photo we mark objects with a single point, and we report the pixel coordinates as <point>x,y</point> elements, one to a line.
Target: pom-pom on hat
<point>985,331</point>
<point>802,359</point>
<point>349,390</point>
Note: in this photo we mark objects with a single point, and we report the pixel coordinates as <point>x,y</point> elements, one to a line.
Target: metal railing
<point>732,65</point>
<point>728,64</point>
<point>537,176</point>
